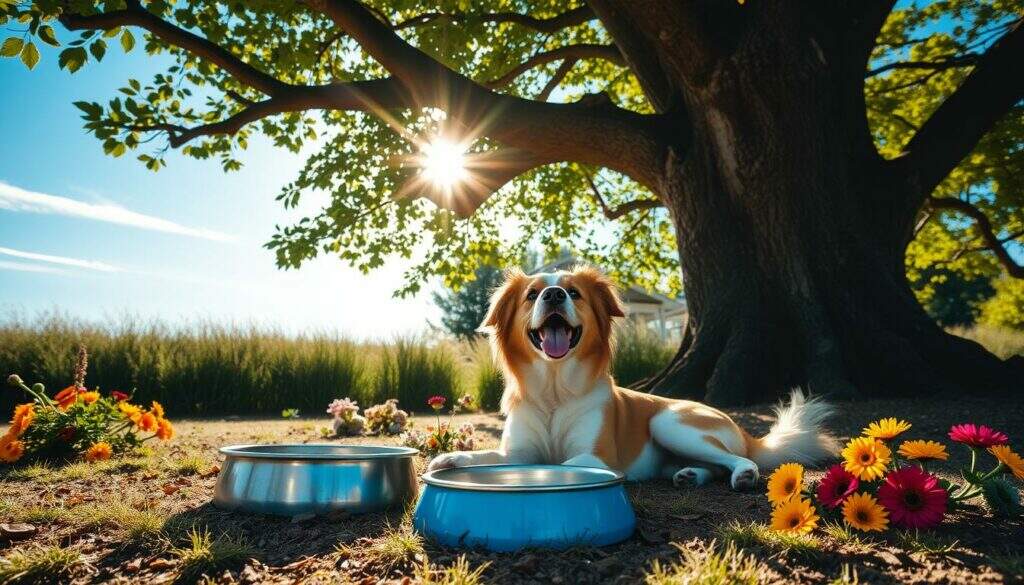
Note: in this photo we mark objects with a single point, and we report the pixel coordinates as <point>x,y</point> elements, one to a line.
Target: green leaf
<point>72,59</point>
<point>1002,497</point>
<point>30,55</point>
<point>47,35</point>
<point>98,48</point>
<point>127,40</point>
<point>11,47</point>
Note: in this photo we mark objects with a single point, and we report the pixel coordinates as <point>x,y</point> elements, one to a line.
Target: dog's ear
<point>604,289</point>
<point>503,302</point>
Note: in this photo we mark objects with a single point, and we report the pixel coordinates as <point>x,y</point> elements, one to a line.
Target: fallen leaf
<point>212,472</point>
<point>133,566</point>
<point>170,488</point>
<point>159,564</point>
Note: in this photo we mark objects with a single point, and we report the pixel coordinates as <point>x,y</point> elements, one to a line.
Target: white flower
<point>343,407</point>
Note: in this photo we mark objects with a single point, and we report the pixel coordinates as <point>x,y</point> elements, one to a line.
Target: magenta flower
<point>977,436</point>
<point>837,485</point>
<point>913,498</point>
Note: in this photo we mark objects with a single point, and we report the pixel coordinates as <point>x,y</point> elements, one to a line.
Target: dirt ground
<point>148,519</point>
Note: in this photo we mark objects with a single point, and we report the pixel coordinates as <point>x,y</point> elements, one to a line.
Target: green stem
<point>974,458</point>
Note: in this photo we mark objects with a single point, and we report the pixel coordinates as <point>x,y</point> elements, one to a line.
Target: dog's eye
<point>532,295</point>
<point>574,294</point>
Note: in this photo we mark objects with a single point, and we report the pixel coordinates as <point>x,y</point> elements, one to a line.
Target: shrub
<point>639,353</point>
<point>411,370</point>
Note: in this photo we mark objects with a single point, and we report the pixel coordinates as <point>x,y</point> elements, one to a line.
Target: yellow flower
<point>98,452</point>
<point>24,414</point>
<point>89,397</point>
<point>157,409</point>
<point>923,450</point>
<point>11,449</point>
<point>785,482</point>
<point>866,458</point>
<point>886,428</point>
<point>795,516</point>
<point>164,430</point>
<point>863,512</point>
<point>1011,460</point>
<point>130,411</point>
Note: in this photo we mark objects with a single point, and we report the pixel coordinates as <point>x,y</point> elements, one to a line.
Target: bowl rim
<point>250,451</point>
<point>431,478</point>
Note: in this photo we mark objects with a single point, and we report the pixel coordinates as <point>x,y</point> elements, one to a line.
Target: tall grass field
<point>207,369</point>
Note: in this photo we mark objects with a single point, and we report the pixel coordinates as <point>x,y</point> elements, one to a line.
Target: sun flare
<point>444,163</point>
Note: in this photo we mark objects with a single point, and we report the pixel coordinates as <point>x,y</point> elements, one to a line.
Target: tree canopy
<point>533,90</point>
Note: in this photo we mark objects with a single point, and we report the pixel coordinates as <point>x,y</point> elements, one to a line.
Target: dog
<point>552,335</point>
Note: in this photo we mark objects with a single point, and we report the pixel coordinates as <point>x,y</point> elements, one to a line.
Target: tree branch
<point>556,79</point>
<point>136,15</point>
<point>575,52</point>
<point>613,213</point>
<point>984,227</point>
<point>572,17</point>
<point>552,132</point>
<point>949,62</point>
<point>988,93</point>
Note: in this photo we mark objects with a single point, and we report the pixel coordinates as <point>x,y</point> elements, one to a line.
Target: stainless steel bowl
<point>302,479</point>
<point>509,507</point>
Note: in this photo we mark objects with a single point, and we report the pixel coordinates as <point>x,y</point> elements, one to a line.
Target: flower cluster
<point>386,419</point>
<point>79,422</point>
<point>444,436</point>
<point>347,421</point>
<point>874,487</point>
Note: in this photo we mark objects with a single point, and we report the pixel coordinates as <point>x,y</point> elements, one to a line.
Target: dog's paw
<point>691,477</point>
<point>449,460</point>
<point>744,476</point>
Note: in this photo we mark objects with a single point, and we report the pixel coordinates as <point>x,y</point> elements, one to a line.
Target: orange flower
<point>11,449</point>
<point>157,409</point>
<point>164,430</point>
<point>130,411</point>
<point>67,396</point>
<point>89,397</point>
<point>24,414</point>
<point>147,422</point>
<point>98,452</point>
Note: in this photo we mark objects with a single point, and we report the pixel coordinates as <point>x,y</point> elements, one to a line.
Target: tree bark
<point>792,233</point>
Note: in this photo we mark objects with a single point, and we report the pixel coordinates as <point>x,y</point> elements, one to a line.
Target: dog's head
<point>554,318</point>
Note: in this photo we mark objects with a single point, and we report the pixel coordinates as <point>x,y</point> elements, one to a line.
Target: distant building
<point>662,315</point>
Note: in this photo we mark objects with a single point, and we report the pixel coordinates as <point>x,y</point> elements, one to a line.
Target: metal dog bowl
<point>301,479</point>
<point>508,507</point>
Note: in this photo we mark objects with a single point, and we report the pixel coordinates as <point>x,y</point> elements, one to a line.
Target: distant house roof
<point>634,296</point>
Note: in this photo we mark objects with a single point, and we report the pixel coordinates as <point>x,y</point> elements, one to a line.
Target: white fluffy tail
<point>796,436</point>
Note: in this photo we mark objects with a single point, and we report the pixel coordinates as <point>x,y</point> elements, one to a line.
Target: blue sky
<point>97,237</point>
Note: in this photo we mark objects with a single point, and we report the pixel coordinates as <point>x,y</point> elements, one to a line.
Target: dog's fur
<point>568,410</point>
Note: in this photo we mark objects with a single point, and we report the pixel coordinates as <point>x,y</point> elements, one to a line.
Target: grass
<point>756,534</point>
<point>1010,564</point>
<point>394,548</point>
<point>925,542</point>
<point>705,565</point>
<point>847,576</point>
<point>488,383</point>
<point>639,353</point>
<point>38,564</point>
<point>460,573</point>
<point>205,554</point>
<point>131,524</point>
<point>190,464</point>
<point>843,534</point>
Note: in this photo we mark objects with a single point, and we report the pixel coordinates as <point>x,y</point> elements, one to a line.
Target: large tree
<point>776,158</point>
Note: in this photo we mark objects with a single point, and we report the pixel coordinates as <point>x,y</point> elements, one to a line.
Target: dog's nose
<point>553,295</point>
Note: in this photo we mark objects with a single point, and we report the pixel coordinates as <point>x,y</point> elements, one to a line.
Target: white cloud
<point>63,260</point>
<point>17,199</point>
<point>5,265</point>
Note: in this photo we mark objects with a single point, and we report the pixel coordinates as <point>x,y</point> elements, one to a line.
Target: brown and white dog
<point>552,335</point>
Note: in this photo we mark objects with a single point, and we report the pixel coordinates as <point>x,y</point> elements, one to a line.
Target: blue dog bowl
<point>508,507</point>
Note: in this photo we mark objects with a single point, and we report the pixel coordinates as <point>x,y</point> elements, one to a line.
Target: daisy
<point>977,436</point>
<point>795,516</point>
<point>863,513</point>
<point>886,428</point>
<point>785,483</point>
<point>866,458</point>
<point>923,450</point>
<point>98,452</point>
<point>1012,461</point>
<point>913,498</point>
<point>836,486</point>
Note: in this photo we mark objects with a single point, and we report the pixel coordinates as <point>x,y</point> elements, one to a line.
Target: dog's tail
<point>797,435</point>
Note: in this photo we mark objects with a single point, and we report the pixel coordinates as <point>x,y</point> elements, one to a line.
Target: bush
<point>999,340</point>
<point>639,353</point>
<point>488,382</point>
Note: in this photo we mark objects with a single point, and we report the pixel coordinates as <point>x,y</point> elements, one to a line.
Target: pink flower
<point>436,402</point>
<point>977,436</point>
<point>118,395</point>
<point>341,408</point>
<point>913,498</point>
<point>837,485</point>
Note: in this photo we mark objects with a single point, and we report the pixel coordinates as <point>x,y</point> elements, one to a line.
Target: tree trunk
<point>792,239</point>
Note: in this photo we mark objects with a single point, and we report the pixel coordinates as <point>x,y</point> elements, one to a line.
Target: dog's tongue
<point>555,341</point>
